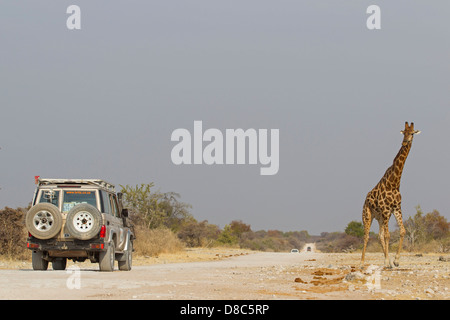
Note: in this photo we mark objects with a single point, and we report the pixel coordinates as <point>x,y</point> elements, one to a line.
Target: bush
<point>338,242</point>
<point>355,228</point>
<point>198,234</point>
<point>227,238</point>
<point>13,233</point>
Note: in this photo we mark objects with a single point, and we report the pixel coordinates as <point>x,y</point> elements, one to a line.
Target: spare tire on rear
<point>84,221</point>
<point>43,221</point>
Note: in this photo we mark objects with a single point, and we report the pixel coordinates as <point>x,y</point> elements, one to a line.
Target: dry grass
<point>152,242</point>
<point>191,255</point>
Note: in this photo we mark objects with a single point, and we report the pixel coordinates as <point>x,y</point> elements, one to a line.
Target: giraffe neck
<point>394,173</point>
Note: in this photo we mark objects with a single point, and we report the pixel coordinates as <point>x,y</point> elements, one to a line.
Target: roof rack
<point>97,182</point>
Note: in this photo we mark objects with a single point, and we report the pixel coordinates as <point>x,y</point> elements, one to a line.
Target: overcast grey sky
<point>102,102</point>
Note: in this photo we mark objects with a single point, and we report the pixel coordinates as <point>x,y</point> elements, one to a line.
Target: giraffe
<point>385,199</point>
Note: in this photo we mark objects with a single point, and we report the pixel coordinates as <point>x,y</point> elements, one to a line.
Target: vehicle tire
<point>38,262</point>
<point>125,265</point>
<point>44,221</point>
<point>59,264</point>
<point>107,258</point>
<point>84,221</point>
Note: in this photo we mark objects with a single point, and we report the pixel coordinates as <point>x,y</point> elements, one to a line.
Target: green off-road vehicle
<point>78,219</point>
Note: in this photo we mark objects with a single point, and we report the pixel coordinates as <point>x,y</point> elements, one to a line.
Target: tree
<point>141,203</point>
<point>238,228</point>
<point>176,212</point>
<point>436,226</point>
<point>198,234</point>
<point>423,228</point>
<point>155,209</point>
<point>355,228</point>
<point>415,228</point>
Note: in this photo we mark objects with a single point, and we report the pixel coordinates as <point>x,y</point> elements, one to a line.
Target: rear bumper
<point>66,246</point>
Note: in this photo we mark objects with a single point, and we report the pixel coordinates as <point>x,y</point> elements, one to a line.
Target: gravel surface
<point>239,275</point>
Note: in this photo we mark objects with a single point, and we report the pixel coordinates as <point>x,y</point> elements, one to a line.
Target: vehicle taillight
<point>32,245</point>
<point>103,231</point>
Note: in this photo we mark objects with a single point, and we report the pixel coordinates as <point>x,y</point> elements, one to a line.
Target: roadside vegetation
<point>428,232</point>
<point>164,224</point>
<point>13,234</point>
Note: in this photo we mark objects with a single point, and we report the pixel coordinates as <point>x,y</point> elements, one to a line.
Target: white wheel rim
<point>43,220</point>
<point>83,221</point>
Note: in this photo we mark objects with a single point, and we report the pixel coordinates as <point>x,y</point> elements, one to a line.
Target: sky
<point>103,101</point>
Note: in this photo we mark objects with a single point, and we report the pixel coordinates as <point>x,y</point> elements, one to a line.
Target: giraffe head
<point>408,133</point>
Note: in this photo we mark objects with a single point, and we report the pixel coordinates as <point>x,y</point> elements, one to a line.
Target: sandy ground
<point>202,274</point>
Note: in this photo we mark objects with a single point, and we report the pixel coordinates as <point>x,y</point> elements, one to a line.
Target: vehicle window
<point>106,203</point>
<point>72,198</point>
<point>49,196</point>
<point>115,212</point>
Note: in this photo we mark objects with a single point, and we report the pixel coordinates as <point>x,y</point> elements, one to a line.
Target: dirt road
<point>305,275</point>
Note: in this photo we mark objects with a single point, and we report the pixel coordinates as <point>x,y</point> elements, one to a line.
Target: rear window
<point>73,198</point>
<point>50,196</point>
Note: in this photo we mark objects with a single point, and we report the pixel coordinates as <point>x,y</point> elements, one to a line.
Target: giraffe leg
<point>398,217</point>
<point>367,222</point>
<point>387,237</point>
<point>381,237</point>
<point>384,239</point>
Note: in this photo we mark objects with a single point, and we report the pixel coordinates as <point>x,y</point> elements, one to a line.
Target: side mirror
<point>125,213</point>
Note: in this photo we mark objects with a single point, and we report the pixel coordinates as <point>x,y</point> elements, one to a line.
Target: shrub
<point>355,228</point>
<point>13,233</point>
<point>198,234</point>
<point>227,238</point>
